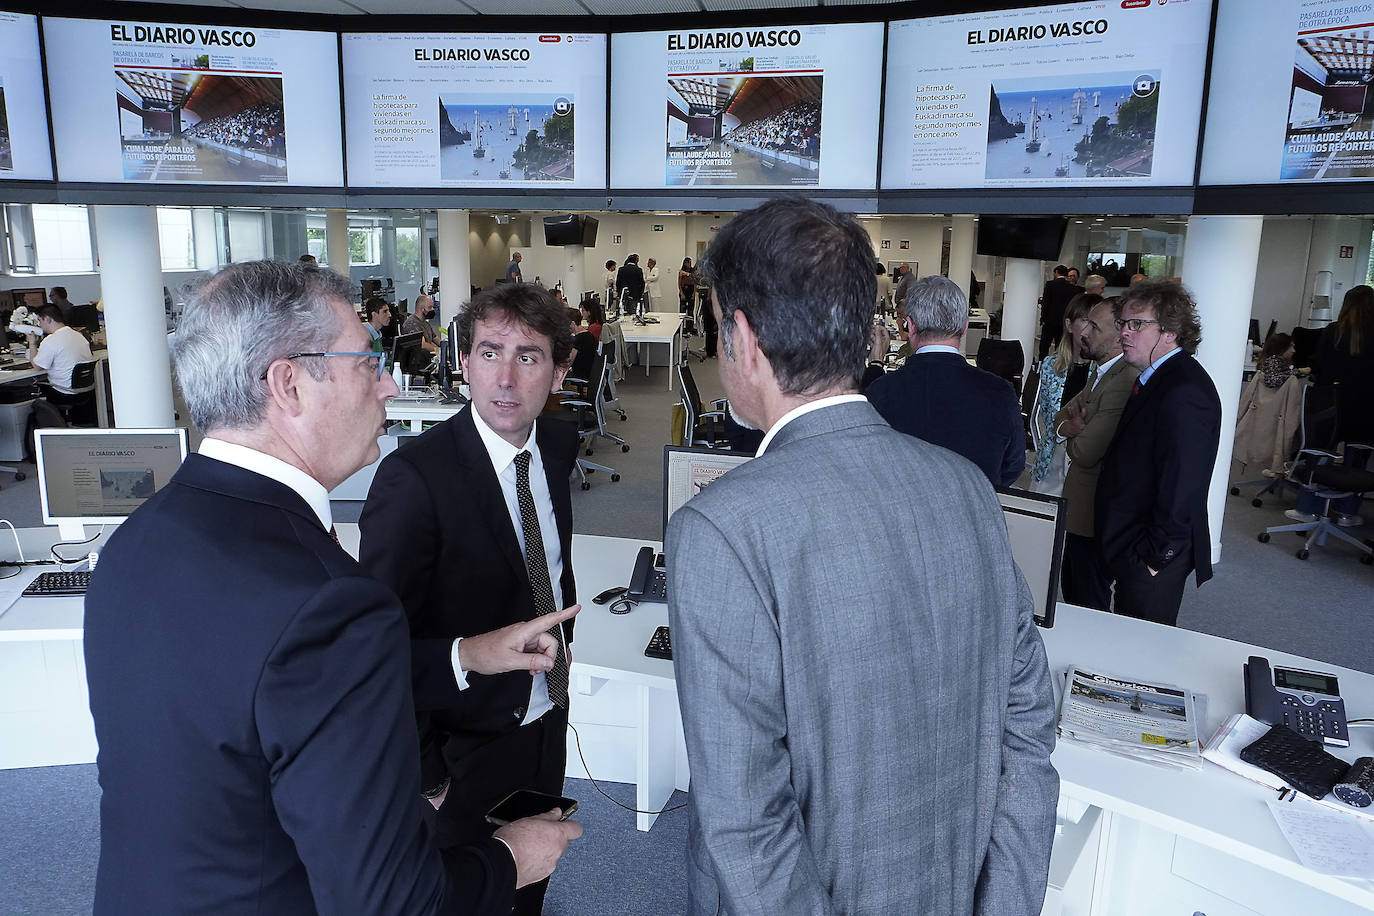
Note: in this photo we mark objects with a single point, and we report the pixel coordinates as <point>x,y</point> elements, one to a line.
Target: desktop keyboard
<point>660,645</point>
<point>58,585</point>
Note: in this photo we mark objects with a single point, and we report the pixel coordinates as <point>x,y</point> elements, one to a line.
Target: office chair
<point>1003,358</point>
<point>1332,481</point>
<point>1266,412</point>
<point>692,327</point>
<point>1030,411</point>
<point>78,408</point>
<point>706,429</point>
<point>1305,342</point>
<point>590,406</point>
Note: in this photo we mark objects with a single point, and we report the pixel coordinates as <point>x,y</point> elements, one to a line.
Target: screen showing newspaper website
<point>96,476</point>
<point>1152,722</point>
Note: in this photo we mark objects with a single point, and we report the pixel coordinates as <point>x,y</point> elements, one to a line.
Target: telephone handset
<point>1308,702</point>
<point>648,582</point>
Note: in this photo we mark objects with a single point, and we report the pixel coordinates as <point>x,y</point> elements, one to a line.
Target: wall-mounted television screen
<point>194,104</point>
<point>466,109</point>
<point>1071,95</point>
<point>570,229</point>
<point>770,107</point>
<point>1292,94</point>
<point>24,151</point>
<point>1037,238</point>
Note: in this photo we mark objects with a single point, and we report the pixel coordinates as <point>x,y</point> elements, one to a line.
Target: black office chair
<point>1030,409</point>
<point>1305,342</point>
<point>589,400</point>
<point>77,408</point>
<point>1003,358</point>
<point>700,428</point>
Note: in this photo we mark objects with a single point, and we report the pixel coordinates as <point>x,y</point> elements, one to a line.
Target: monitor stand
<point>71,531</point>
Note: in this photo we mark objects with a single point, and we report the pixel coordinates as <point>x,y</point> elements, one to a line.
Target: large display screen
<point>24,151</point>
<point>1071,95</point>
<point>1290,97</point>
<point>776,107</point>
<point>155,102</point>
<point>475,109</point>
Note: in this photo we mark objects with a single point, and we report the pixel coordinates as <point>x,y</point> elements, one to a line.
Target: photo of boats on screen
<point>24,149</point>
<point>506,138</point>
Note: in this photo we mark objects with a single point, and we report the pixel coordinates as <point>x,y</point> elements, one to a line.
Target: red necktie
<point>1135,389</point>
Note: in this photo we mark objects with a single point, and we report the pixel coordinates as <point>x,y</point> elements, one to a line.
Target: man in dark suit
<point>1054,299</point>
<point>253,706</point>
<point>1151,503</point>
<point>937,396</point>
<point>472,536</point>
<point>629,282</point>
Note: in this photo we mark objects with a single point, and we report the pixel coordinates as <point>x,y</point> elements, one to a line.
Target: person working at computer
<point>869,719</point>
<point>376,315</point>
<point>489,490</point>
<point>939,397</point>
<point>58,297</point>
<point>60,350</point>
<point>417,322</point>
<point>252,701</point>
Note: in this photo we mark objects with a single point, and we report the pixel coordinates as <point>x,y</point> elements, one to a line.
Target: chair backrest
<point>83,376</point>
<point>1030,408</point>
<point>1318,428</point>
<point>1003,358</point>
<point>691,401</point>
<point>1305,342</point>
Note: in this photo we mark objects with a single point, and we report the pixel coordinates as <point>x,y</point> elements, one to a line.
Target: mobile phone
<point>528,803</point>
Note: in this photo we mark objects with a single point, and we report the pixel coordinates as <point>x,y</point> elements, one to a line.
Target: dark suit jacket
<point>251,698</point>
<point>436,530</point>
<point>1053,300</point>
<point>630,277</point>
<point>1151,500</point>
<point>940,398</point>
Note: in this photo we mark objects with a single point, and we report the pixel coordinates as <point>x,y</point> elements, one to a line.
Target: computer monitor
<point>100,476</point>
<point>688,471</point>
<point>408,353</point>
<point>84,318</point>
<point>31,299</point>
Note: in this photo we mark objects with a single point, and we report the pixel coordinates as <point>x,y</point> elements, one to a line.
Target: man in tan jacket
<point>1087,424</point>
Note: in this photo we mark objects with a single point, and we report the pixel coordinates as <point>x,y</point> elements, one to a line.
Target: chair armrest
<point>720,404</point>
<point>575,402</point>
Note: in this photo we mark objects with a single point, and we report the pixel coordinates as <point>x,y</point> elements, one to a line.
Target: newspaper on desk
<point>1156,723</point>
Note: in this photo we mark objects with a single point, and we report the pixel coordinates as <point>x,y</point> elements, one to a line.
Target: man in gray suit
<point>869,718</point>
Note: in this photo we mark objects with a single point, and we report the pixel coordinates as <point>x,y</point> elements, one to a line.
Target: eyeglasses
<point>1134,324</point>
<point>375,363</point>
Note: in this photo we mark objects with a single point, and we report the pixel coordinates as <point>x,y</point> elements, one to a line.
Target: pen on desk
<point>1282,792</point>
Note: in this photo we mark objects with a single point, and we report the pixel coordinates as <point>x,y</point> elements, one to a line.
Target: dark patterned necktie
<point>537,567</point>
<point>334,533</point>
<point>1135,389</point>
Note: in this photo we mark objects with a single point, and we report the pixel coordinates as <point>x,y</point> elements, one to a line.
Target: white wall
<point>1282,273</point>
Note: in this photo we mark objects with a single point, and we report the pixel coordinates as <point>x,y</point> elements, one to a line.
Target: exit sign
<point>658,227</point>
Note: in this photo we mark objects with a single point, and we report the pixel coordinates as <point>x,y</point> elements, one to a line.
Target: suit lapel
<point>485,491</point>
<point>1148,392</point>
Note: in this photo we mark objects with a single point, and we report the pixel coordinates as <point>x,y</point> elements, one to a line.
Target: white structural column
<point>135,326</point>
<point>336,241</point>
<point>1224,299</point>
<point>1023,286</point>
<point>571,275</point>
<point>455,263</point>
<point>961,251</point>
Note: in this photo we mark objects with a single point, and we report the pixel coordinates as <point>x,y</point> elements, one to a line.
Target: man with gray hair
<point>253,708</point>
<point>937,396</point>
<point>805,685</point>
<point>1095,283</point>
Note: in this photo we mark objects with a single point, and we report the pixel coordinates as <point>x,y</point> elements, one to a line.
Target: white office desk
<point>668,331</point>
<point>416,413</point>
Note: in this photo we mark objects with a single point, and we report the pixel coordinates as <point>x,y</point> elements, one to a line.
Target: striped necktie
<point>537,567</point>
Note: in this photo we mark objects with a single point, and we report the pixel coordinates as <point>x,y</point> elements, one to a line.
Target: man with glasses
<point>1150,512</point>
<point>252,699</point>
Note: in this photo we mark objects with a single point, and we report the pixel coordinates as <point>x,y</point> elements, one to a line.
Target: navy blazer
<point>1151,500</point>
<point>940,398</point>
<point>250,687</point>
<point>436,530</point>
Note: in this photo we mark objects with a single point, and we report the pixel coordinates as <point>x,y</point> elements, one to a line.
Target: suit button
<point>519,712</point>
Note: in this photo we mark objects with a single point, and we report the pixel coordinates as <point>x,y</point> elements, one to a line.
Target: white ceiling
<point>518,7</point>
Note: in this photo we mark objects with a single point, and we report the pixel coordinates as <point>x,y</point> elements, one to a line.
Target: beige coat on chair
<point>1266,423</point>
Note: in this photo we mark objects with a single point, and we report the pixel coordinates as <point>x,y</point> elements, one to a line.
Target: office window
<point>21,250</point>
<point>247,235</point>
<point>408,268</point>
<point>176,238</point>
<point>364,245</point>
<point>62,237</point>
<point>314,241</point>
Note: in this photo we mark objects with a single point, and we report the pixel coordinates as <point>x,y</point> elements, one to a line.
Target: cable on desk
<point>62,559</point>
<point>5,521</point>
<point>598,788</point>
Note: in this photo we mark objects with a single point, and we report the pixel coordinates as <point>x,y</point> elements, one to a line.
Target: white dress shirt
<point>802,410</point>
<point>502,455</point>
<point>250,459</point>
<point>59,352</point>
<point>1102,369</point>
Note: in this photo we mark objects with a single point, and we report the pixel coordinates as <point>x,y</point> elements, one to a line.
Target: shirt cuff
<point>510,850</point>
<point>458,674</point>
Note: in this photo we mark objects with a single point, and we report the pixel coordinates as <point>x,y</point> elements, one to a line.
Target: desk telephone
<point>1308,702</point>
<point>648,582</point>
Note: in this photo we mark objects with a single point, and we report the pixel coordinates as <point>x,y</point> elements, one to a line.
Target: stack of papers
<point>1156,723</point>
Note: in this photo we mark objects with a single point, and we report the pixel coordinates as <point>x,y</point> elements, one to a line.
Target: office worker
<point>513,273</point>
<point>1150,512</point>
<point>629,282</point>
<point>1087,424</point>
<point>417,322</point>
<point>1053,299</point>
<point>253,710</point>
<point>60,350</point>
<point>471,525</point>
<point>58,297</point>
<point>937,396</point>
<point>651,285</point>
<point>376,315</point>
<point>828,776</point>
<point>610,282</point>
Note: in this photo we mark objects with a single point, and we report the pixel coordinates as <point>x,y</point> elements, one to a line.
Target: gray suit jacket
<point>1103,404</point>
<point>867,705</point>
